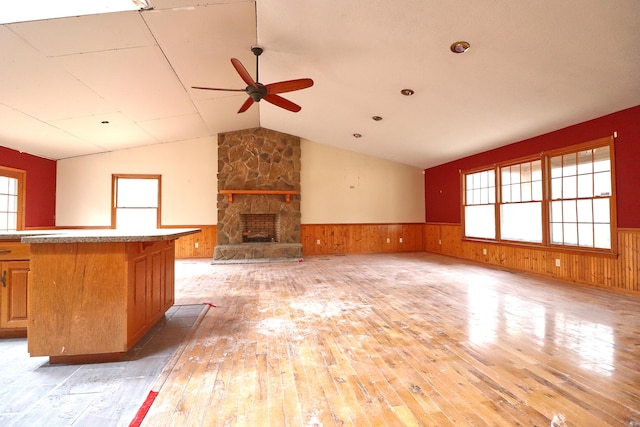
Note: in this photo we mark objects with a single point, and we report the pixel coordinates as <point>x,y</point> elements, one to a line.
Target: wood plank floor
<point>399,340</point>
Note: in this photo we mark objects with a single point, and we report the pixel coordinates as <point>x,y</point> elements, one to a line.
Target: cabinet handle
<point>5,251</point>
<point>3,279</point>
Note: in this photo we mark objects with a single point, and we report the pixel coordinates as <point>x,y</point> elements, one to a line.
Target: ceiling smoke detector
<point>460,47</point>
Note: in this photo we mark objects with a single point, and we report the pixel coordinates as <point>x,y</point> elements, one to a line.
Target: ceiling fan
<point>258,91</point>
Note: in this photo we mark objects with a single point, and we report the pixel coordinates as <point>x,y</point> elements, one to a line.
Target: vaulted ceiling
<point>533,67</point>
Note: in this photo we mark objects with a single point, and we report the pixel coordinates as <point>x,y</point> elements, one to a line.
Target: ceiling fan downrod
<point>257,51</point>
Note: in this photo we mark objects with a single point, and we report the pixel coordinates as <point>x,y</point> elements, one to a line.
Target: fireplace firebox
<point>260,227</point>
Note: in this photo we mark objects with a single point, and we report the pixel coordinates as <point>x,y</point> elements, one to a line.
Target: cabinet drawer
<point>11,251</point>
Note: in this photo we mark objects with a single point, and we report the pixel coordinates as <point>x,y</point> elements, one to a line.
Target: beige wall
<point>338,186</point>
<point>344,187</point>
<point>189,183</point>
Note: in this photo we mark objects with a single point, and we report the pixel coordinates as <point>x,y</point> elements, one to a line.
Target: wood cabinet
<point>151,279</point>
<point>14,275</point>
<point>92,301</point>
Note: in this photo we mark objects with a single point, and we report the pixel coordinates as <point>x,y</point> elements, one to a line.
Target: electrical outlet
<point>401,240</point>
<point>557,262</point>
<point>484,251</point>
<point>439,241</point>
<point>197,245</point>
<point>388,240</point>
<point>318,242</point>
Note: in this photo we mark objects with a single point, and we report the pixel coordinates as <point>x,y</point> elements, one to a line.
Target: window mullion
<point>498,200</point>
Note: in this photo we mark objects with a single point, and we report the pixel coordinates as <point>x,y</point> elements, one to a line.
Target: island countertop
<point>97,235</point>
<point>18,235</point>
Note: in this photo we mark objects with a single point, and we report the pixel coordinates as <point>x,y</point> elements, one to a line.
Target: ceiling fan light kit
<point>258,91</point>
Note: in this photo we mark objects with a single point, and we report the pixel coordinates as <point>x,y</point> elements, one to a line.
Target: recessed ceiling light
<point>357,135</point>
<point>105,122</point>
<point>407,92</point>
<point>460,47</point>
<point>376,118</point>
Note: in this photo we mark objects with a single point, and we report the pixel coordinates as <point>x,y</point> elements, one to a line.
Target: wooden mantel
<point>287,193</point>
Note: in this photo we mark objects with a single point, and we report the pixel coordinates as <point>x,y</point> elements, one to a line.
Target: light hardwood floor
<point>403,339</point>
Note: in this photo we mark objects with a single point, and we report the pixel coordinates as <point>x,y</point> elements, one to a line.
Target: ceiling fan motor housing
<point>257,92</point>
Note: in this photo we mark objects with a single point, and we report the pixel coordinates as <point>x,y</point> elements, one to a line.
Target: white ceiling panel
<point>117,133</point>
<point>36,86</point>
<point>24,133</point>
<point>196,42</point>
<point>82,34</point>
<point>138,80</point>
<point>171,4</point>
<point>179,128</point>
<point>220,114</point>
<point>533,67</point>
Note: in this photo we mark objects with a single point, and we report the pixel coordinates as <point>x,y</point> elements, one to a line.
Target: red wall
<point>442,183</point>
<point>40,209</point>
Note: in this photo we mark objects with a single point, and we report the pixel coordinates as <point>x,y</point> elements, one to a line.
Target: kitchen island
<point>94,293</point>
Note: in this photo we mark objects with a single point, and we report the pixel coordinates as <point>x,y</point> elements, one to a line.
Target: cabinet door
<point>13,294</point>
<point>137,312</point>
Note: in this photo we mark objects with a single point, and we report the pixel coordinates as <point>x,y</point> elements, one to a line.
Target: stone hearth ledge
<point>258,250</point>
<point>107,235</point>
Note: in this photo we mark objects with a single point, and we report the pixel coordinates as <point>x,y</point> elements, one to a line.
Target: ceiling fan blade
<point>282,103</point>
<point>248,103</point>
<point>244,74</point>
<point>289,85</point>
<point>216,88</point>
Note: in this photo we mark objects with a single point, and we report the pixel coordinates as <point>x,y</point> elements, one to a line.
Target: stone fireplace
<point>258,195</point>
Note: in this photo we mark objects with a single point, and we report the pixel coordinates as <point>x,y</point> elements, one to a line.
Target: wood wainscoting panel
<point>325,239</point>
<point>621,273</point>
<point>334,239</point>
<point>432,238</point>
<point>205,240</point>
<point>628,265</point>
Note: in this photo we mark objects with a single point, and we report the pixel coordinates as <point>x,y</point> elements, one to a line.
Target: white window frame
<point>12,198</point>
<point>129,212</point>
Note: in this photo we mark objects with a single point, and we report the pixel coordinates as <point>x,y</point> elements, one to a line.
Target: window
<point>136,201</point>
<point>479,211</point>
<point>11,199</point>
<point>521,202</point>
<point>564,197</point>
<point>581,198</point>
